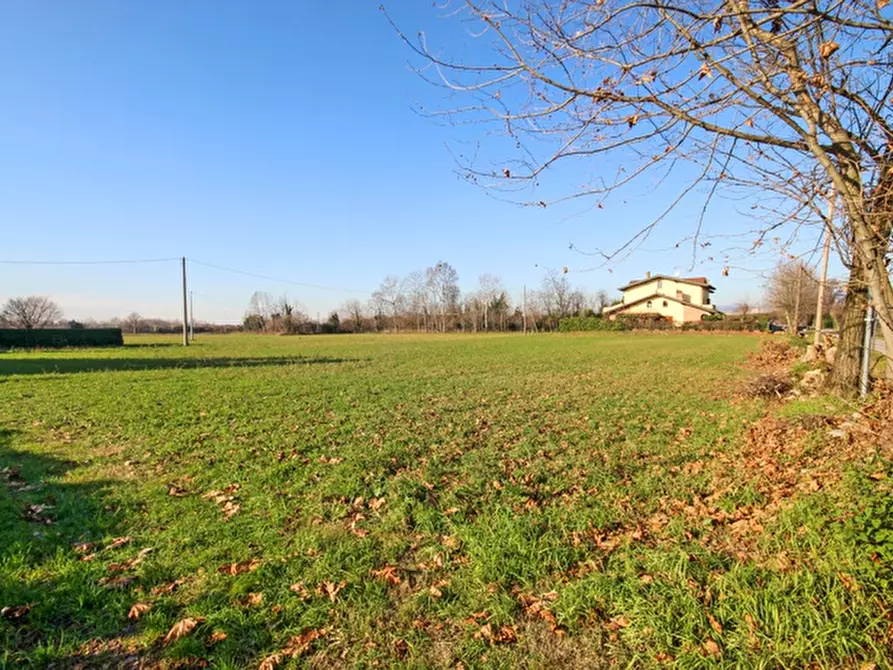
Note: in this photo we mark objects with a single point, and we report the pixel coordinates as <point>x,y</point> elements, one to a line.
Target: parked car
<point>775,327</point>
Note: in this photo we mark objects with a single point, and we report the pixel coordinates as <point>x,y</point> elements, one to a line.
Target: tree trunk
<point>847,361</point>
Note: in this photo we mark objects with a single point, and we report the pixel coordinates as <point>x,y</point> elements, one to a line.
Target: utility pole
<point>524,308</point>
<point>185,303</point>
<point>819,317</point>
<point>797,297</point>
<point>191,318</point>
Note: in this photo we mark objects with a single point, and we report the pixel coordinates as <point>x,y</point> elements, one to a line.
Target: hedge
<point>55,338</point>
<point>578,323</point>
<point>655,322</point>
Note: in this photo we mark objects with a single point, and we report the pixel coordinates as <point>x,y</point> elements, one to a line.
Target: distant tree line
<point>430,300</point>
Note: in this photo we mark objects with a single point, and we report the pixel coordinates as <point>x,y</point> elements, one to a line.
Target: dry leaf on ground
<point>182,628</point>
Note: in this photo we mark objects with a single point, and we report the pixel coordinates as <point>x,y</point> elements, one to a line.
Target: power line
<point>278,279</point>
<point>115,262</point>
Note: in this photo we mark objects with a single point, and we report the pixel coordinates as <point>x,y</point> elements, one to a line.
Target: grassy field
<point>430,501</point>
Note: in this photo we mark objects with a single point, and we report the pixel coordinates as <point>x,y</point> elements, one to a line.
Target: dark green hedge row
<point>646,322</point>
<point>49,338</point>
<point>574,324</point>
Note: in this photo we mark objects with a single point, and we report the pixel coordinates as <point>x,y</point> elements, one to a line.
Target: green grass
<point>544,501</point>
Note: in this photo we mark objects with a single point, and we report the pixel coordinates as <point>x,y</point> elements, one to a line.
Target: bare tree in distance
<point>557,294</point>
<point>354,311</point>
<point>388,299</point>
<point>600,301</point>
<point>743,308</point>
<point>30,312</point>
<point>785,99</point>
<point>134,322</point>
<point>260,311</point>
<point>792,292</point>
<point>443,283</point>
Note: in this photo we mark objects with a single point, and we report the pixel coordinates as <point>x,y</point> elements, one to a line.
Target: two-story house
<point>683,299</point>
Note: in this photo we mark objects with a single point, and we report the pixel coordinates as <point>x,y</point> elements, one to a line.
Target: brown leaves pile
<point>499,635</point>
<point>537,607</point>
<point>774,356</point>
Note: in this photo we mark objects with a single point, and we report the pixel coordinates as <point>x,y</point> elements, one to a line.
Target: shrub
<point>55,338</point>
<point>588,323</point>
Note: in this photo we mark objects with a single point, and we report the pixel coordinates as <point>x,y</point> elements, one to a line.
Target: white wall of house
<point>696,295</point>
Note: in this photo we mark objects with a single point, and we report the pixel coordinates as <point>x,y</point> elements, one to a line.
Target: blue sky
<point>278,138</point>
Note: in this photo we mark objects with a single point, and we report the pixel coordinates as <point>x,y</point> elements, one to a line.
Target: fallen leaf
<point>170,587</point>
<point>301,590</point>
<point>376,503</point>
<point>118,542</point>
<point>401,647</point>
<point>177,491</point>
<point>15,611</point>
<point>435,592</point>
<point>298,644</point>
<point>502,635</point>
<point>119,582</point>
<point>238,568</point>
<point>712,648</point>
<point>34,513</point>
<point>271,662</point>
<point>332,589</point>
<point>230,508</point>
<point>714,624</point>
<point>387,574</point>
<point>182,628</point>
<point>138,609</point>
<point>252,600</point>
<point>217,636</point>
<point>82,547</point>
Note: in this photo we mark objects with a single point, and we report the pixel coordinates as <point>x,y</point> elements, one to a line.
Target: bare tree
<point>389,299</point>
<point>353,310</point>
<point>134,322</point>
<point>788,98</point>
<point>418,299</point>
<point>30,312</point>
<point>792,291</point>
<point>260,312</point>
<point>557,295</point>
<point>600,301</point>
<point>743,308</point>
<point>443,283</point>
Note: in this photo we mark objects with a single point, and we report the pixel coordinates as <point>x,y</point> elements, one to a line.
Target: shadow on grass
<point>38,366</point>
<point>52,595</point>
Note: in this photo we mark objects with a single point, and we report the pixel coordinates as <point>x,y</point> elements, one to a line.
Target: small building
<point>682,299</point>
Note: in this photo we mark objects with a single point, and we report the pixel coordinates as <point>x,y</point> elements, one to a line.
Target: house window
<point>648,304</point>
<point>660,283</point>
<point>666,304</point>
